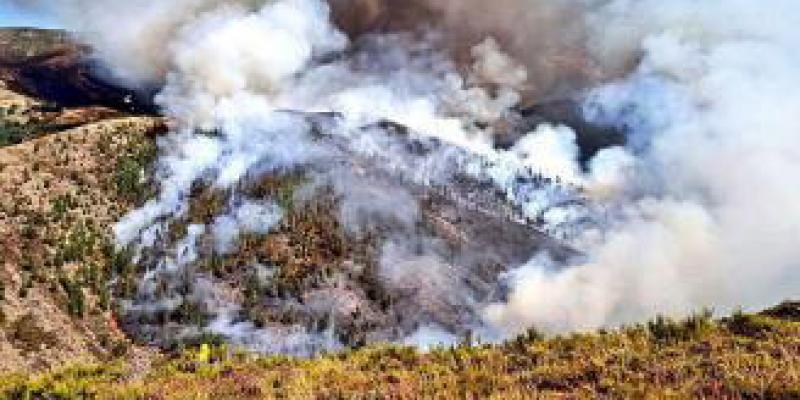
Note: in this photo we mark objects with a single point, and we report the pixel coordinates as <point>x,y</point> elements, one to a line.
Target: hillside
<point>59,200</point>
<point>65,189</point>
<point>58,173</point>
<point>80,318</point>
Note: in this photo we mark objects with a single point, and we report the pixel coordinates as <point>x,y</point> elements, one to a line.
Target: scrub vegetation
<point>743,356</point>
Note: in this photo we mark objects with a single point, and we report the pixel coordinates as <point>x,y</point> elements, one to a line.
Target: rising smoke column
<point>699,209</point>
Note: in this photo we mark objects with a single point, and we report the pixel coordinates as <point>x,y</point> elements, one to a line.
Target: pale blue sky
<point>11,15</point>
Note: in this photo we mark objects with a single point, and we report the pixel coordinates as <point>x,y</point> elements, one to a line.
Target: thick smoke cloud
<point>700,208</point>
<point>712,214</point>
<point>545,36</point>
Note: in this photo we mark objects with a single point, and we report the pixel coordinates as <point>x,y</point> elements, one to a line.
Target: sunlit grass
<point>692,358</point>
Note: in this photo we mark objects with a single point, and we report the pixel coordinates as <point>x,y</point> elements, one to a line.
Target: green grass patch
<point>12,132</point>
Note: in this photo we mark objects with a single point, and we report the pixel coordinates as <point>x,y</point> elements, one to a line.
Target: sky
<point>13,15</point>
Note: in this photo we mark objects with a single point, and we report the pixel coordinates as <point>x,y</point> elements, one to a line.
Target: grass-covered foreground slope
<point>744,356</point>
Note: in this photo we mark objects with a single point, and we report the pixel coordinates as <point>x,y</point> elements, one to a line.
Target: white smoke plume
<point>249,217</point>
<point>699,208</point>
<point>711,212</point>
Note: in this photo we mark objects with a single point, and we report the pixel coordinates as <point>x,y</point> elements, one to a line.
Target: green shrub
<point>129,175</point>
<point>789,311</point>
<point>12,133</point>
<point>120,260</point>
<point>61,205</point>
<point>123,270</point>
<point>666,330</point>
<point>751,325</point>
<point>76,301</point>
<point>79,244</point>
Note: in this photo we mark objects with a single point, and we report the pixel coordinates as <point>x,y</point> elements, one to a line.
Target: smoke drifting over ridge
<point>710,215</point>
<point>546,36</point>
<point>700,208</point>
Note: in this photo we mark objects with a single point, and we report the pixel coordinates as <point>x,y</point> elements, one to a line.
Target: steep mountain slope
<point>62,191</point>
<point>74,159</point>
<point>59,199</point>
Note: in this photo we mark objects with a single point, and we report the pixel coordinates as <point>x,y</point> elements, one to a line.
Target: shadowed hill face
<point>48,65</point>
<point>544,36</point>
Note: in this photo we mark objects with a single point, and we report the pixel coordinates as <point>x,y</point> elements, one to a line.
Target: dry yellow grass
<point>747,356</point>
